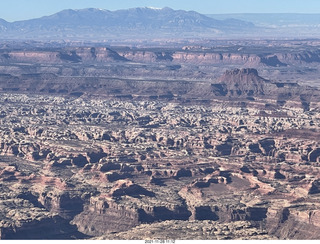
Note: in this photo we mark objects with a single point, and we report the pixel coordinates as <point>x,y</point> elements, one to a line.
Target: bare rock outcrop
<point>127,187</point>
<point>244,82</point>
<point>190,230</point>
<point>105,216</point>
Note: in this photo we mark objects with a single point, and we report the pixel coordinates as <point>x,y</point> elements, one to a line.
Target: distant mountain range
<point>131,23</point>
<point>274,20</point>
<point>149,23</point>
<point>275,25</point>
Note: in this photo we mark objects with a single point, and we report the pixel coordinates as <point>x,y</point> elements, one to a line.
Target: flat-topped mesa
<point>246,75</point>
<point>246,83</point>
<point>243,82</point>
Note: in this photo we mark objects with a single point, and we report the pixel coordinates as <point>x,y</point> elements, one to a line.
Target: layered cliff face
<point>294,223</point>
<point>280,64</point>
<point>77,55</point>
<point>241,84</point>
<point>217,58</point>
<point>88,55</point>
<point>22,217</point>
<point>299,58</point>
<point>102,216</point>
<point>189,57</point>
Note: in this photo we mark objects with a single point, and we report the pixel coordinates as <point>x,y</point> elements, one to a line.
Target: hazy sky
<point>12,10</point>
